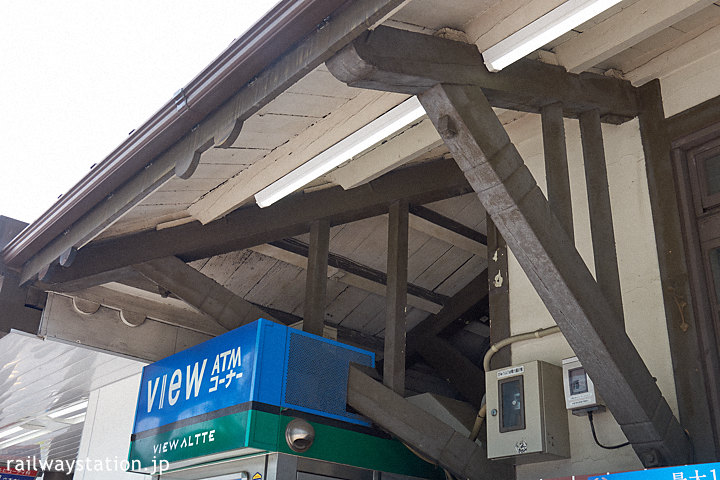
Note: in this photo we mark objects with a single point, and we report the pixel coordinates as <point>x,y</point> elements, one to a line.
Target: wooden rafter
<point>200,291</point>
<point>472,293</point>
<point>455,233</point>
<point>95,263</point>
<point>350,266</point>
<point>294,252</point>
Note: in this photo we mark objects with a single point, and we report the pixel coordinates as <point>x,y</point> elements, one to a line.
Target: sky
<point>77,76</point>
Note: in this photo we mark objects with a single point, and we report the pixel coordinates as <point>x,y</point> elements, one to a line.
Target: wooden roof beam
<point>201,292</point>
<point>344,264</point>
<point>432,223</point>
<point>395,60</point>
<point>95,263</point>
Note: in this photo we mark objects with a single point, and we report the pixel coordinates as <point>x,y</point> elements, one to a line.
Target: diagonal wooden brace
<point>421,431</point>
<point>508,192</point>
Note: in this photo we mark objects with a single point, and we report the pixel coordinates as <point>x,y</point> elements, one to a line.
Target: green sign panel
<point>253,430</point>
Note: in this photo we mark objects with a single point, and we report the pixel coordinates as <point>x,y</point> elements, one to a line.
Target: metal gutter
<point>287,23</point>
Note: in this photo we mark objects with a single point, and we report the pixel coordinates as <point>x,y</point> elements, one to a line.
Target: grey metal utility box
<point>526,415</point>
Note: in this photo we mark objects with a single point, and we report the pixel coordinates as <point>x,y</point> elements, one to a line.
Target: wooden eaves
<point>282,47</point>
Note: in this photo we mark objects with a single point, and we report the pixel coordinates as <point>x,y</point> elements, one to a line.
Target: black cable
<point>592,427</point>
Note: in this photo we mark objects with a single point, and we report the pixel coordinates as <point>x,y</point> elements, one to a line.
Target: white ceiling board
<point>442,268</point>
<point>364,313</point>
<point>337,125</point>
<point>249,273</point>
<point>503,18</point>
<point>462,276</point>
<point>465,209</point>
<point>193,183</point>
<point>270,130</point>
<point>650,50</point>
<point>424,257</point>
<point>622,27</point>
<point>345,302</point>
<point>233,155</point>
<point>172,197</point>
<point>38,376</point>
<point>218,171</point>
<point>303,105</point>
<point>430,14</point>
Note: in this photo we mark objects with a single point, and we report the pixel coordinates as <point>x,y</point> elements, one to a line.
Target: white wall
<point>106,434</point>
<point>639,278</point>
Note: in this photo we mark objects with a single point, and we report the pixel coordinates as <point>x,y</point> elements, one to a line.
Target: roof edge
<point>284,25</point>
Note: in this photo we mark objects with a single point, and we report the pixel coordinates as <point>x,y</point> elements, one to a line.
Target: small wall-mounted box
<point>580,393</point>
<point>526,415</point>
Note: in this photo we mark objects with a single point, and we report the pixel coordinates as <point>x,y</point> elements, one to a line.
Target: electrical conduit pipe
<point>494,348</point>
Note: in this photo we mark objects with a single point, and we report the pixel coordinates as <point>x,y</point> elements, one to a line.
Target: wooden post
<point>396,298</point>
<point>498,293</point>
<point>316,280</point>
<point>556,165</point>
<point>601,223</point>
<point>686,347</point>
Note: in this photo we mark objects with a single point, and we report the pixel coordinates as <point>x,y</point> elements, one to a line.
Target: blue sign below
<point>707,471</point>
<point>261,362</point>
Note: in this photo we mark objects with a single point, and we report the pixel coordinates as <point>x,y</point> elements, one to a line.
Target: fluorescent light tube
<point>70,409</point>
<point>10,431</point>
<point>542,31</point>
<point>23,438</point>
<point>352,145</point>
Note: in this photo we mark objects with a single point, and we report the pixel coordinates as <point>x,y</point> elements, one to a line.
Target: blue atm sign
<point>13,474</point>
<point>208,377</point>
<point>708,471</point>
